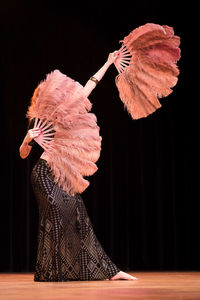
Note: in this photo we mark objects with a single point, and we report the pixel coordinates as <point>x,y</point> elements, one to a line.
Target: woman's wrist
<point>94,79</point>
<point>98,76</point>
<point>27,139</point>
<point>27,143</point>
<point>108,63</point>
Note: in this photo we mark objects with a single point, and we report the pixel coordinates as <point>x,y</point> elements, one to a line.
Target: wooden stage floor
<point>150,285</point>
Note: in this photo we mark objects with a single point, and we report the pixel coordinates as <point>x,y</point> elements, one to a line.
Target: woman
<point>67,246</point>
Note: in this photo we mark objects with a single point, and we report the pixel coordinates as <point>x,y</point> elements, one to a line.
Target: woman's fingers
<point>113,56</point>
<point>35,132</point>
<point>115,53</point>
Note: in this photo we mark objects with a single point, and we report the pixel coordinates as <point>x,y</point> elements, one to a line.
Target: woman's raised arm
<point>92,82</point>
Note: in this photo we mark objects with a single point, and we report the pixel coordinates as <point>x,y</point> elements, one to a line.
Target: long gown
<point>68,248</point>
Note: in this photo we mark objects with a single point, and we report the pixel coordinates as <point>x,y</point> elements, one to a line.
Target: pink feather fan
<point>147,68</point>
<point>62,109</point>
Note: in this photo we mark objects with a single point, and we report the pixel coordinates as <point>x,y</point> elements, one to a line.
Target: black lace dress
<point>68,248</point>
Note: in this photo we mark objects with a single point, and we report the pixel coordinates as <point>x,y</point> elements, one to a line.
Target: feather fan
<point>76,144</point>
<point>147,68</point>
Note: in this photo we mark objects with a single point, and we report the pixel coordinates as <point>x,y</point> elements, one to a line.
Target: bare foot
<point>123,276</point>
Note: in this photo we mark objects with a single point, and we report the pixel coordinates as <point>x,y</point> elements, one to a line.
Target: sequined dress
<point>68,248</point>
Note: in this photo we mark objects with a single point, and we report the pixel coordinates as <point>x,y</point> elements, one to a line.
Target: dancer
<point>68,248</point>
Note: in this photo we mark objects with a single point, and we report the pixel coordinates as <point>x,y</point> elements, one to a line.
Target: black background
<point>141,201</point>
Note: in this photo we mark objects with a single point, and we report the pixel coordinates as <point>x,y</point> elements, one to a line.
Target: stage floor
<point>150,285</point>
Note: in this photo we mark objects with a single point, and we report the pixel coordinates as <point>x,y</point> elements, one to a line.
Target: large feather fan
<point>147,68</point>
<point>76,144</point>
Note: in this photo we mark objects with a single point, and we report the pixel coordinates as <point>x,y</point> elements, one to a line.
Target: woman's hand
<point>32,134</point>
<point>112,57</point>
<point>25,148</point>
